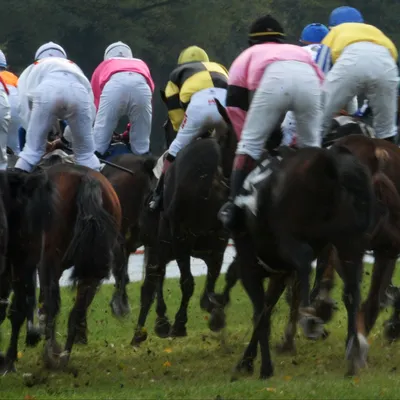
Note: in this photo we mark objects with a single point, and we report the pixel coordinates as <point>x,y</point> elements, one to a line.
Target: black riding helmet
<point>266,29</point>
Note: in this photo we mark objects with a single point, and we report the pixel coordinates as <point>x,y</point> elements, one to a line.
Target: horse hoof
<point>33,337</point>
<point>162,327</point>
<point>244,368</point>
<point>139,336</point>
<point>266,374</point>
<point>119,309</point>
<point>81,338</point>
<point>391,330</point>
<point>7,367</point>
<point>286,347</point>
<point>178,331</point>
<point>356,354</point>
<point>50,358</point>
<point>64,359</point>
<point>312,326</point>
<point>217,320</point>
<point>325,308</point>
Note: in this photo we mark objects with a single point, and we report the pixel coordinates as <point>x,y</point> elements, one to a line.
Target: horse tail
<point>388,199</point>
<point>95,242</point>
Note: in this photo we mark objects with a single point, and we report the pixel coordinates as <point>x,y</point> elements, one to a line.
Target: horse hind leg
<point>187,287</point>
<point>357,345</point>
<point>86,291</point>
<point>33,333</point>
<point>392,326</point>
<point>119,302</point>
<point>217,319</point>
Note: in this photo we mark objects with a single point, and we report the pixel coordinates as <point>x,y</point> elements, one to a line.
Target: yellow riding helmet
<point>191,54</point>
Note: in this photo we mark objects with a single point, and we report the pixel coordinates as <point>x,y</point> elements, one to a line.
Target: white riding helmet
<point>118,49</point>
<point>3,60</point>
<point>50,49</point>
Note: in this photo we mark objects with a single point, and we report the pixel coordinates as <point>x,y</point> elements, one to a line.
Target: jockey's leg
<point>112,105</point>
<point>192,124</point>
<point>140,114</point>
<point>382,95</point>
<point>15,123</point>
<point>308,110</point>
<point>271,101</point>
<point>5,117</point>
<point>80,120</point>
<point>340,86</point>
<point>41,121</point>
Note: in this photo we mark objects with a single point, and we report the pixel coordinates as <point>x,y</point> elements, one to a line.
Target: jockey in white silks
<point>52,88</point>
<point>311,37</point>
<point>5,117</point>
<point>122,85</point>
<point>11,82</point>
<point>358,58</point>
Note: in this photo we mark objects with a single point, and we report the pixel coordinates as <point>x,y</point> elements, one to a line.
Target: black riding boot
<point>229,213</point>
<point>157,197</point>
<point>156,200</point>
<point>392,139</point>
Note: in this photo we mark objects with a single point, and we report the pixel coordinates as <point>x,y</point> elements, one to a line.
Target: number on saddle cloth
<point>248,198</point>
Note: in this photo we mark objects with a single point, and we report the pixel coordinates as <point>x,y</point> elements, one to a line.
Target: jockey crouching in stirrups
<point>358,58</point>
<point>284,78</point>
<point>193,85</point>
<point>122,85</point>
<point>11,81</point>
<point>54,87</point>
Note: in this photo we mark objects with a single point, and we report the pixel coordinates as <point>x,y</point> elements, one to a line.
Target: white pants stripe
<point>60,96</point>
<point>126,93</point>
<point>285,86</point>
<point>5,117</point>
<point>201,115</point>
<point>367,69</point>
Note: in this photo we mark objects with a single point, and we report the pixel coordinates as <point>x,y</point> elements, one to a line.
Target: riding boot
<point>392,139</point>
<point>158,194</point>
<point>230,214</point>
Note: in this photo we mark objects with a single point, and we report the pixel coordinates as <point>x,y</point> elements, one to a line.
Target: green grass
<point>198,367</point>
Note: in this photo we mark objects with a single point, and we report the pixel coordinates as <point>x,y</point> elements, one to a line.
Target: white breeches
<point>15,123</point>
<point>5,117</point>
<point>364,68</point>
<point>60,96</point>
<point>125,94</point>
<point>285,86</point>
<point>201,115</point>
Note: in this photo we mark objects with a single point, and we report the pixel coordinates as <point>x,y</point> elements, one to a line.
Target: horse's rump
<point>86,232</point>
<point>194,191</point>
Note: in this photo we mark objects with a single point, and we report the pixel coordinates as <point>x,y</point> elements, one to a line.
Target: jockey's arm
<point>175,111</point>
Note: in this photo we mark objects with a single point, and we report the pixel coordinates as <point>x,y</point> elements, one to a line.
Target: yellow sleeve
<point>175,111</point>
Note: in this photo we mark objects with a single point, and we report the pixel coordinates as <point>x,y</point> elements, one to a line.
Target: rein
<point>104,162</point>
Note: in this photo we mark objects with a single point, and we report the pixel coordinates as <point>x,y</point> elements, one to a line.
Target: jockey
<point>311,38</point>
<point>5,117</point>
<point>190,94</point>
<point>11,81</point>
<point>282,77</point>
<point>359,58</point>
<point>54,87</point>
<point>122,85</point>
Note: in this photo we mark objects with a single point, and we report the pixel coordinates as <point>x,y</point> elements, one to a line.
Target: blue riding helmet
<point>313,33</point>
<point>341,15</point>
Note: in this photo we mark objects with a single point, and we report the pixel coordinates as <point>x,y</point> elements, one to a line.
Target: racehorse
<point>383,160</point>
<point>311,198</point>
<point>29,202</point>
<point>195,188</point>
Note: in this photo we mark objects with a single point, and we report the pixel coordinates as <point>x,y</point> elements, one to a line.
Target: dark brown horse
<point>86,235</point>
<point>29,201</point>
<point>195,188</point>
<point>383,160</point>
